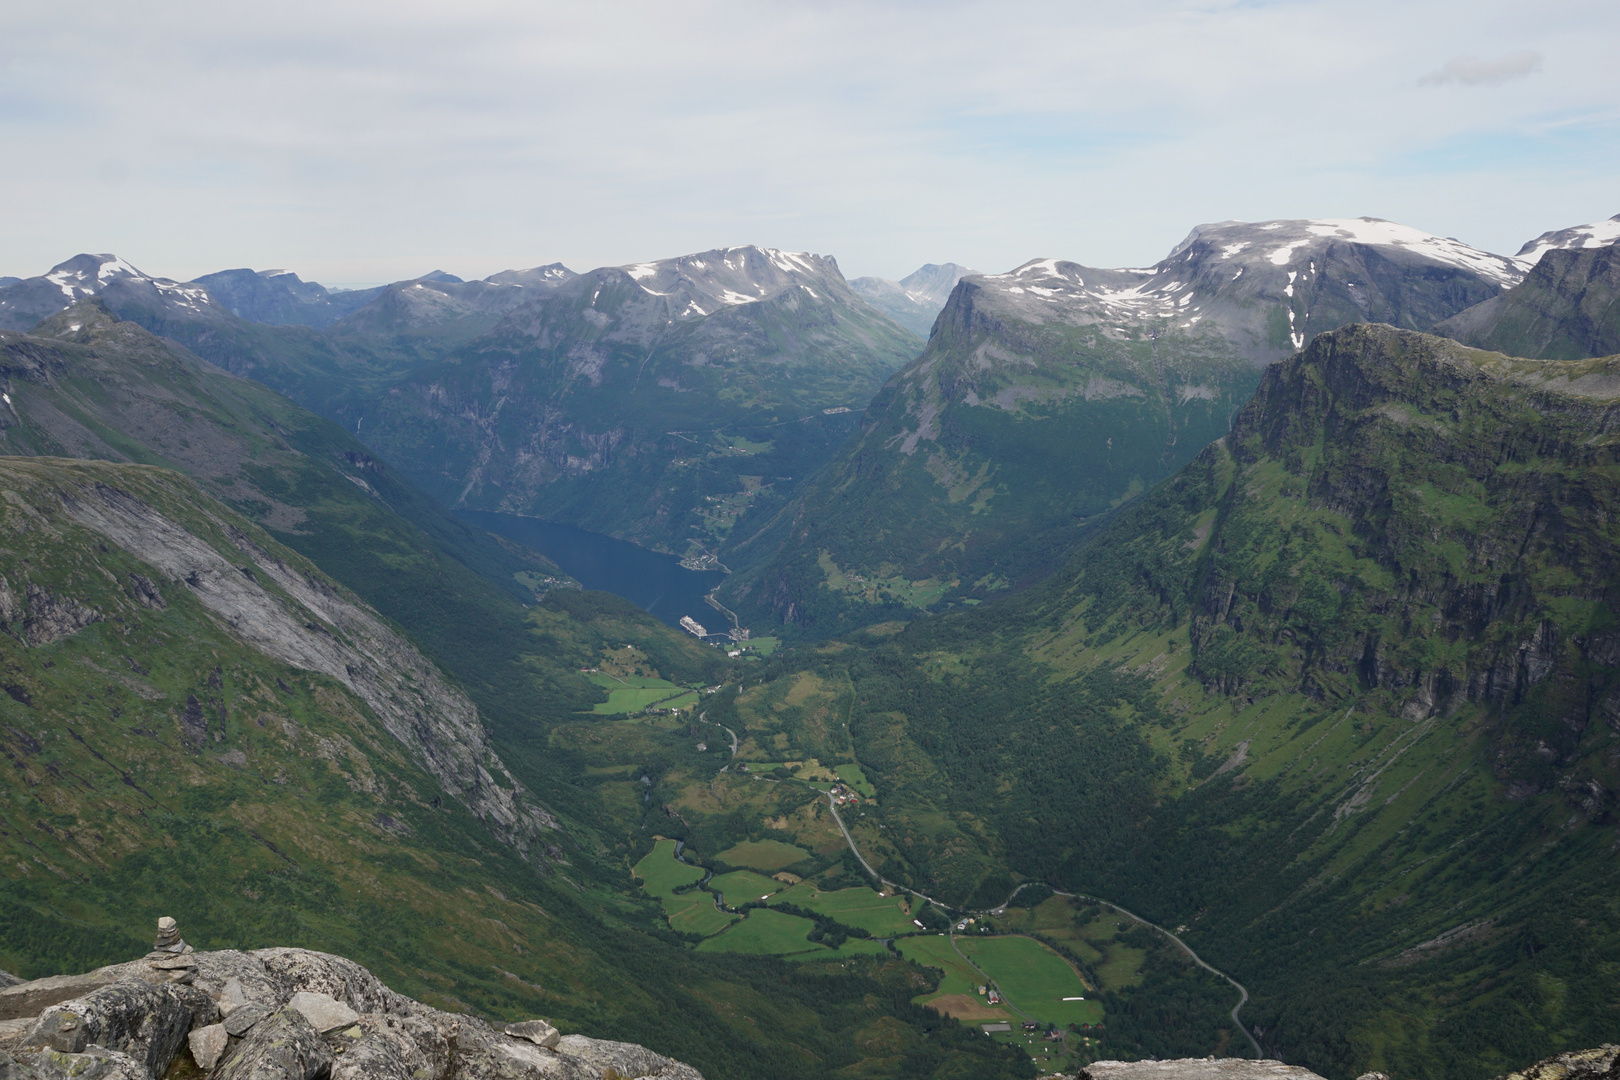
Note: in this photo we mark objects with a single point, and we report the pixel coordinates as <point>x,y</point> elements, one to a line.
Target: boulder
<point>294,970</point>
<point>8,979</point>
<point>146,1022</point>
<point>323,1011</point>
<point>282,1046</point>
<point>536,1031</point>
<point>240,973</point>
<point>208,1045</point>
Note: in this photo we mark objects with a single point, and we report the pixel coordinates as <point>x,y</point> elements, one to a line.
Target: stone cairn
<point>171,955</point>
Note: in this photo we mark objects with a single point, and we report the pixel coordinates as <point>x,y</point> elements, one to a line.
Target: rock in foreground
<point>281,1014</point>
<point>1196,1069</point>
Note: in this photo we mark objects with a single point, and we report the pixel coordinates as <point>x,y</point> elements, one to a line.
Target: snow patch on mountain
<point>1596,234</point>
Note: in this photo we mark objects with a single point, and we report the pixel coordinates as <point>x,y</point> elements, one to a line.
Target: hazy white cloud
<point>357,140</point>
<point>1472,71</point>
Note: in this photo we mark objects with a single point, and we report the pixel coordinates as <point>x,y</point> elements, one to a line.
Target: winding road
<point>1243,993</point>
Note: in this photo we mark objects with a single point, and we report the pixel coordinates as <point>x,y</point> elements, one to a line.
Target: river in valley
<point>656,583</point>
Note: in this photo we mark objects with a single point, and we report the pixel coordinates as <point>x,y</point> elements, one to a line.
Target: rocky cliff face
<point>1051,394</point>
<point>280,1014</point>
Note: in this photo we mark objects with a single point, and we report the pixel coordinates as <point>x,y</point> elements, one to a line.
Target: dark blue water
<point>658,584</point>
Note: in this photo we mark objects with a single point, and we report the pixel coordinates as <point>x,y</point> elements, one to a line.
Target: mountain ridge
<point>1053,393</point>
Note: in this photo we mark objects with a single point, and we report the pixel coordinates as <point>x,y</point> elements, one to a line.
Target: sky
<point>358,142</point>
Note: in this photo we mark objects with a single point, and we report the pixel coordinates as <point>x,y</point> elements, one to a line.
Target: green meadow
<point>880,916</point>
<point>1034,978</point>
<point>632,693</point>
<point>768,856</point>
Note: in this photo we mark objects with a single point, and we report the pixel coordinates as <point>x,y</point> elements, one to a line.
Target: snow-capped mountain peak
<point>1597,234</point>
<point>26,302</point>
<point>703,283</point>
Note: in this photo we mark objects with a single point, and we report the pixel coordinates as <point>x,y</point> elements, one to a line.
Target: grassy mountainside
<point>1342,698</point>
<point>1567,308</point>
<point>174,749</point>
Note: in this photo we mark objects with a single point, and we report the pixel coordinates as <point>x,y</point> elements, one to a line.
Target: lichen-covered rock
<point>235,979</point>
<point>1602,1063</point>
<point>392,1047</point>
<point>144,1021</point>
<point>283,1046</point>
<point>628,1060</point>
<point>296,970</point>
<point>96,1063</point>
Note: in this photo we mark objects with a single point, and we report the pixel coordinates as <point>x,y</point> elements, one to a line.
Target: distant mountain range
<point>916,300</point>
<point>658,402</point>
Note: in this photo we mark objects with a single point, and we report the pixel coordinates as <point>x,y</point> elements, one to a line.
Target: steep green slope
<point>1567,308</point>
<point>656,403</point>
<point>199,723</point>
<point>1342,698</point>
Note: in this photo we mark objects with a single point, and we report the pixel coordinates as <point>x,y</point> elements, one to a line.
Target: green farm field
<point>768,933</point>
<point>689,912</point>
<point>767,856</point>
<point>852,775</point>
<point>743,886</point>
<point>881,916</point>
<point>852,947</point>
<point>1034,979</point>
<point>934,950</point>
<point>632,693</point>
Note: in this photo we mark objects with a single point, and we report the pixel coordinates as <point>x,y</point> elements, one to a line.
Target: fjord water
<point>654,582</point>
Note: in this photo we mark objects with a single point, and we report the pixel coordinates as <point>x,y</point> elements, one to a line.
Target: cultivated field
<point>766,932</point>
<point>1034,978</point>
<point>631,693</point>
<point>743,886</point>
<point>880,916</point>
<point>764,855</point>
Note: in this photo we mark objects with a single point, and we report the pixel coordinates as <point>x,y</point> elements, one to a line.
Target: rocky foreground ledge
<point>1602,1063</point>
<point>278,1014</point>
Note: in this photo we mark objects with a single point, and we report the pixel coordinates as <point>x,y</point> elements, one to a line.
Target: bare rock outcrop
<point>1211,1068</point>
<point>1602,1063</point>
<point>284,1014</point>
<point>304,620</point>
